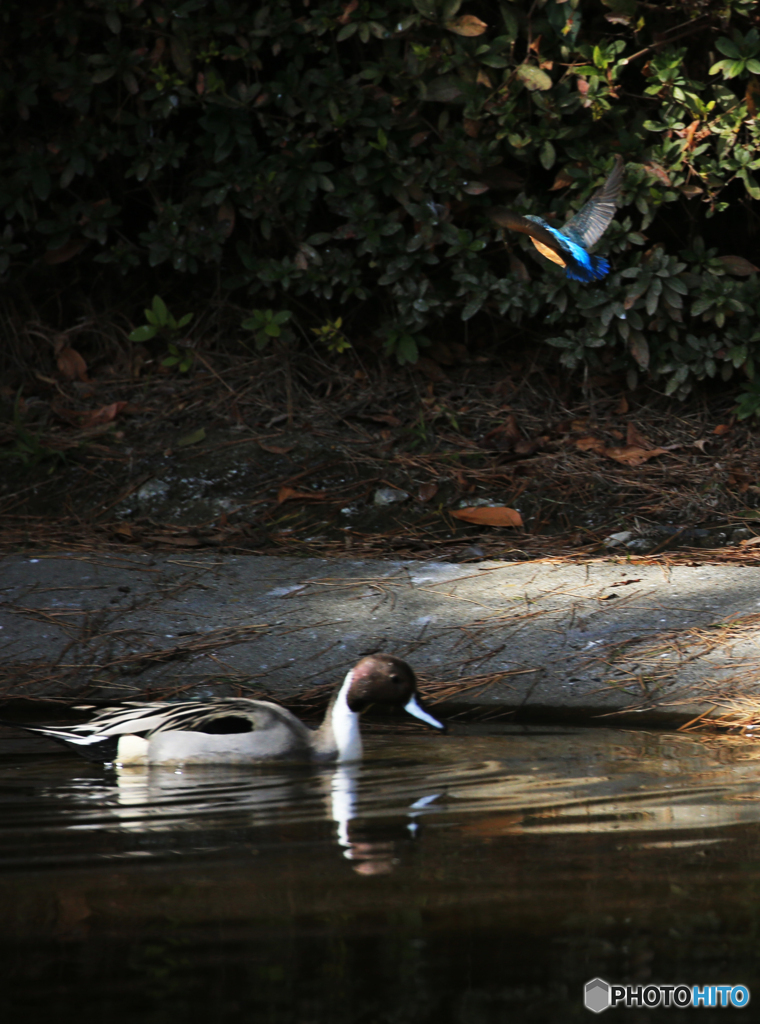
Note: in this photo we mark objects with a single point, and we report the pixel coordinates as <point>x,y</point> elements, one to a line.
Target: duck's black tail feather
<point>93,747</point>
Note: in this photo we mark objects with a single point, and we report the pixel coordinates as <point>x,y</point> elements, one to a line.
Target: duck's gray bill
<point>414,709</point>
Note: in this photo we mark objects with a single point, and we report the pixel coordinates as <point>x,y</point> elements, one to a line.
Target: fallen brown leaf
<point>71,364</point>
<point>276,449</point>
<point>629,454</point>
<point>291,494</point>
<point>105,414</point>
<point>562,180</point>
<point>387,417</point>
<point>431,369</point>
<point>348,10</point>
<point>90,417</point>
<point>721,429</point>
<point>427,491</point>
<point>489,516</point>
<point>503,437</point>
<point>177,542</point>
<point>65,252</point>
<point>589,444</point>
<point>633,455</point>
<point>635,437</point>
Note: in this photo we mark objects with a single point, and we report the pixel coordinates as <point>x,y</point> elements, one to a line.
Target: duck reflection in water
<point>191,800</point>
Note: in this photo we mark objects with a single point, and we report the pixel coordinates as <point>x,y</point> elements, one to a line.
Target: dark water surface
<point>475,878</point>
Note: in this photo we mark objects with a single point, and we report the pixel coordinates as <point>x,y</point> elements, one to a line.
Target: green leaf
<point>103,75</point>
<point>678,285</point>
<point>749,183</point>
<point>444,89</point>
<point>426,8</point>
<point>472,307</point>
<point>727,47</point>
<point>406,350</point>
<point>160,311</point>
<point>534,79</point>
<point>194,438</point>
<point>185,320</point>
<point>144,333</point>
<point>41,183</point>
<point>449,9</point>
<point>547,155</point>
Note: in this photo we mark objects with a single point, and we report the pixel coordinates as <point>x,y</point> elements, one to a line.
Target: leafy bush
<point>338,157</point>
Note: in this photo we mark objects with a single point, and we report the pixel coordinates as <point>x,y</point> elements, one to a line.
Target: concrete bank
<point>649,642</point>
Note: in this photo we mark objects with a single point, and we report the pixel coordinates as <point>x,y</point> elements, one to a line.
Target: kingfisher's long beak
<point>414,708</point>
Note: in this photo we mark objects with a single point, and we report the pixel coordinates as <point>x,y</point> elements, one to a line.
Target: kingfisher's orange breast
<point>549,253</point>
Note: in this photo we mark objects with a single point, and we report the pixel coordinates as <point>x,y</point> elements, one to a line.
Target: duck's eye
<point>395,679</point>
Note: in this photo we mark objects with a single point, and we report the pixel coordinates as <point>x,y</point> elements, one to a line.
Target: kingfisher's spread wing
<point>541,236</point>
<point>593,218</point>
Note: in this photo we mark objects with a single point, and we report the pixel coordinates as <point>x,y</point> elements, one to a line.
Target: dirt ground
<point>459,458</point>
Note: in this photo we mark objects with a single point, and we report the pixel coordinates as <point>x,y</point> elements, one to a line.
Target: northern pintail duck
<point>235,730</point>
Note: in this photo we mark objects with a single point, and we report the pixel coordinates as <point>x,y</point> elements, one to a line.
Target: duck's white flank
<point>345,725</point>
<point>132,750</point>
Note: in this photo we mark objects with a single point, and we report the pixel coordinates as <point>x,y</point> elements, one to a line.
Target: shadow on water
<point>477,878</point>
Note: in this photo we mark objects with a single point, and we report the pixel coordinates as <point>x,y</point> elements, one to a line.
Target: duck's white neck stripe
<point>345,724</point>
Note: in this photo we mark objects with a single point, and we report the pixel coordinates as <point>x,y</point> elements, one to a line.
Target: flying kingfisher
<point>568,246</point>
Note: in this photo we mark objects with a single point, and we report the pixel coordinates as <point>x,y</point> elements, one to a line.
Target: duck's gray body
<point>275,734</point>
<point>236,730</point>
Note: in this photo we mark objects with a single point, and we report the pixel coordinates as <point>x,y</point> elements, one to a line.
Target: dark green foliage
<point>338,159</point>
<point>26,447</point>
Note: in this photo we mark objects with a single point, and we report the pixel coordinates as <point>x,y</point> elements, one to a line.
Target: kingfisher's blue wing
<point>593,218</point>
